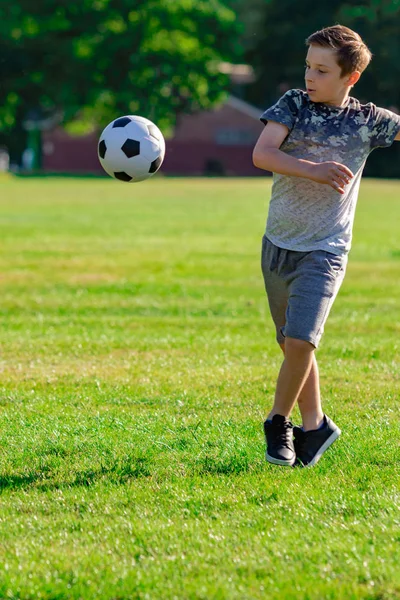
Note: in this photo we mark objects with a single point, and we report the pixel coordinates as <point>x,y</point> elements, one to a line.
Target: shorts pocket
<point>335,263</point>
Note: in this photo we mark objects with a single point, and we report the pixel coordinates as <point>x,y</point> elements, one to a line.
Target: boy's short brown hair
<point>351,52</point>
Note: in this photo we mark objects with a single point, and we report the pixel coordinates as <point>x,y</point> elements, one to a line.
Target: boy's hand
<point>331,173</point>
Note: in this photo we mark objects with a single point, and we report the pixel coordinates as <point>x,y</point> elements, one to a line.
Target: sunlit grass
<point>138,363</point>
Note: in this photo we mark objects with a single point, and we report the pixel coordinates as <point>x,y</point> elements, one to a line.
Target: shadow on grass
<point>230,465</point>
<point>116,473</point>
<point>131,469</point>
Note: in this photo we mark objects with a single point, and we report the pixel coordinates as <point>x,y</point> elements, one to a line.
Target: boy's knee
<point>298,346</point>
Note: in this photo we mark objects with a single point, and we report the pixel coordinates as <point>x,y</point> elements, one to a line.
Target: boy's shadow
<point>132,468</point>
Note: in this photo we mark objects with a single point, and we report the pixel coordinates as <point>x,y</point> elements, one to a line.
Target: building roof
<point>242,74</point>
<point>244,107</point>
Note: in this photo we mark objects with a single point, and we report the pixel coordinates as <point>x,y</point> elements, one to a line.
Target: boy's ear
<point>354,77</point>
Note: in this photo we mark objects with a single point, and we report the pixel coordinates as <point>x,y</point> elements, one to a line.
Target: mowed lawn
<point>138,364</point>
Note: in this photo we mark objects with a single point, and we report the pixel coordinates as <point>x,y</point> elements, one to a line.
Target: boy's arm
<point>267,156</point>
<point>397,138</point>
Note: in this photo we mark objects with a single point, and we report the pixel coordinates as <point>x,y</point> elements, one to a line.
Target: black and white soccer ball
<point>131,148</point>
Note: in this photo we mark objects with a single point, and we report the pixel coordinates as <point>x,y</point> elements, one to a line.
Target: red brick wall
<point>192,150</point>
<point>191,158</point>
<point>202,126</point>
<point>66,154</point>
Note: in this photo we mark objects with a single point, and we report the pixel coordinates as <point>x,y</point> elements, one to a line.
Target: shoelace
<point>283,436</point>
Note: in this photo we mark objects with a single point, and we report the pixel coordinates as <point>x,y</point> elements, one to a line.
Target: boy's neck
<point>340,101</point>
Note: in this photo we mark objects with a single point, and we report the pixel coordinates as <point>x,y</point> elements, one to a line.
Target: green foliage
<point>110,57</point>
<point>279,52</point>
<point>249,17</point>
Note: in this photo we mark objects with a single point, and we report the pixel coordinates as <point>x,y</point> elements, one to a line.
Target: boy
<point>316,144</point>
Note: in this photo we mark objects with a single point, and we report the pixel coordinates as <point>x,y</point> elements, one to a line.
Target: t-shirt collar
<point>331,108</point>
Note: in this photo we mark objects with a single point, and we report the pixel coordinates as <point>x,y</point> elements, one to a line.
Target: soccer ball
<point>131,148</point>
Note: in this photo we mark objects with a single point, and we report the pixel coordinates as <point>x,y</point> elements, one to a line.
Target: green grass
<point>138,363</point>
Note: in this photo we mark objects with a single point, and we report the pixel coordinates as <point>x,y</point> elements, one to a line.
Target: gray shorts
<point>301,288</point>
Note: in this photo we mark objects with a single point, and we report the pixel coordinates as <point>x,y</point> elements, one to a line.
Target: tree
<point>278,56</point>
<point>102,58</point>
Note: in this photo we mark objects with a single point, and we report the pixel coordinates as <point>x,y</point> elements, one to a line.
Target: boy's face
<point>322,77</point>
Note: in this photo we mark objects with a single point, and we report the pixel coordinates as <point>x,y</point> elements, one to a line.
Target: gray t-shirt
<point>305,215</point>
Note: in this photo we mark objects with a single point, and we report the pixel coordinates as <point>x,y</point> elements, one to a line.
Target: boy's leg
<point>314,278</point>
<point>318,435</point>
<point>294,372</point>
<point>309,399</point>
<point>277,427</point>
<point>301,288</point>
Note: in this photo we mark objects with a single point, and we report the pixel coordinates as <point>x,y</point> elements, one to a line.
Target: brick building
<point>215,142</point>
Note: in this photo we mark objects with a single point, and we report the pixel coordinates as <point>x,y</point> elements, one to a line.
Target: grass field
<point>138,363</point>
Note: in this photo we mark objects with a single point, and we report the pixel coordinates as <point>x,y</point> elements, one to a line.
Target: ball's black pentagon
<point>121,122</point>
<point>122,176</point>
<point>155,165</point>
<point>131,148</point>
<point>102,149</point>
<point>153,131</point>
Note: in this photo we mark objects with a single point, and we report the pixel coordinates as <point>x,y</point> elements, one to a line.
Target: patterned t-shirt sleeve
<point>285,110</point>
<point>386,127</point>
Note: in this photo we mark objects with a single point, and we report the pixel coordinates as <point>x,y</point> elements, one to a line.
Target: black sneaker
<point>279,439</point>
<point>310,445</point>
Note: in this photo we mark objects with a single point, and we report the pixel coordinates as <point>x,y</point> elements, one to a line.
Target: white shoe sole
<point>334,436</point>
<point>278,461</point>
